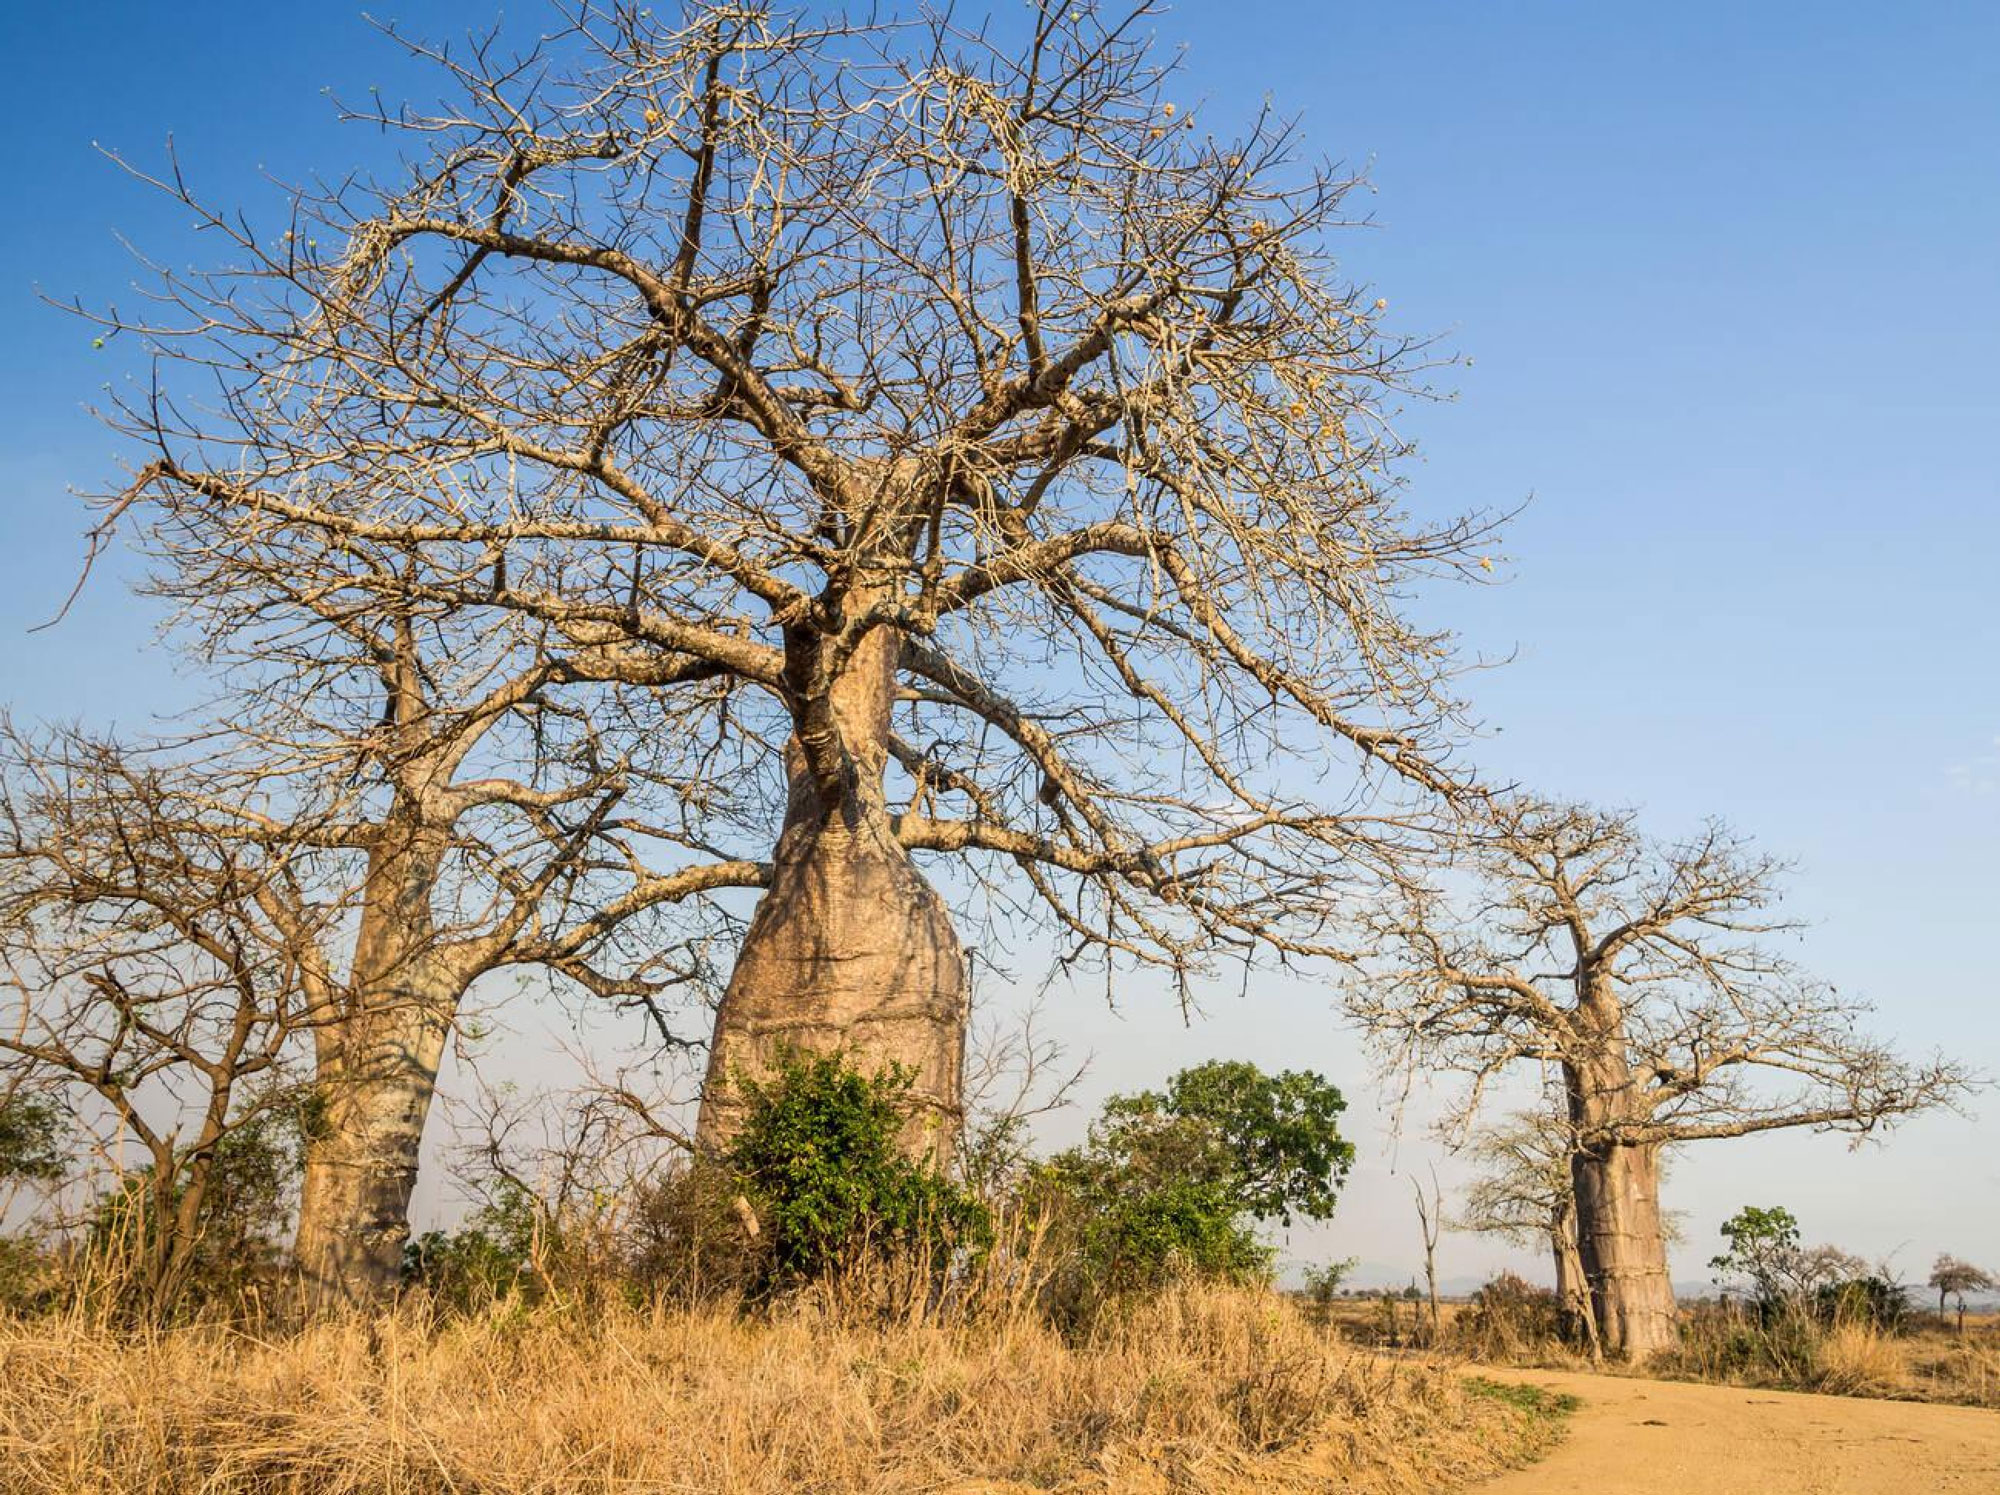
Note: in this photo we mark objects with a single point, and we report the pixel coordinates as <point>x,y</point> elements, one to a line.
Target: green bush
<point>31,1141</point>
<point>1873,1300</point>
<point>823,1171</point>
<point>489,1257</point>
<point>244,1216</point>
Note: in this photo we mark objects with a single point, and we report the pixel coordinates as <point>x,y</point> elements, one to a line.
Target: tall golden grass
<point>1200,1389</point>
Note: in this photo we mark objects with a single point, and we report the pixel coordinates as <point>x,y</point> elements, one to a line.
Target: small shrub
<point>488,1258</point>
<point>685,1240</point>
<point>823,1171</point>
<point>1872,1300</point>
<point>133,1256</point>
<point>1510,1317</point>
<point>1323,1288</point>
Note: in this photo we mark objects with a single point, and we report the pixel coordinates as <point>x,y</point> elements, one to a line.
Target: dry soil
<point>1637,1437</point>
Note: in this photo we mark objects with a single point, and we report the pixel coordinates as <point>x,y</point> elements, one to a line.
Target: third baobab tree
<point>1643,978</point>
<point>993,440</point>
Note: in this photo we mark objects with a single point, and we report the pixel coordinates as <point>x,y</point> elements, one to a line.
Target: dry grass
<point>1857,1359</point>
<point>1927,1360</point>
<point>1852,1357</point>
<point>1943,1365</point>
<point>1199,1390</point>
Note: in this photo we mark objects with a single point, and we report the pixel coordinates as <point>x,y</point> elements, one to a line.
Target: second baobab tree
<point>1643,977</point>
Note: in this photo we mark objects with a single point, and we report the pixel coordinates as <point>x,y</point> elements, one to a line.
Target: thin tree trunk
<point>361,1159</point>
<point>1623,1248</point>
<point>378,1064</point>
<point>850,950</point>
<point>1572,1286</point>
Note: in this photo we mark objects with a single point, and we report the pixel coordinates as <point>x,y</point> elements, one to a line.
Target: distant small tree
<point>1323,1285</point>
<point>1763,1249</point>
<point>1954,1279</point>
<point>1430,1220</point>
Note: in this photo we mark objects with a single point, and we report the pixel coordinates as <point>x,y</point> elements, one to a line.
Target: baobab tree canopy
<point>1578,932</point>
<point>991,436</point>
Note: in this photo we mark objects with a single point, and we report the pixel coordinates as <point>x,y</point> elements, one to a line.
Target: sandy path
<point>1634,1437</point>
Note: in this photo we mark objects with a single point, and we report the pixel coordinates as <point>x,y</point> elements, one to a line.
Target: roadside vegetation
<point>1785,1316</point>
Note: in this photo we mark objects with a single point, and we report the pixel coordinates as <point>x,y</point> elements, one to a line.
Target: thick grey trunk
<point>1623,1247</point>
<point>850,950</point>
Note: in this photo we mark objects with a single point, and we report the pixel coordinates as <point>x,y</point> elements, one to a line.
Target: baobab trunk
<point>850,950</point>
<point>377,1072</point>
<point>1623,1247</point>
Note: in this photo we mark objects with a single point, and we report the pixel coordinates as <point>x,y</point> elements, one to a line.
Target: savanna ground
<point>1201,1389</point>
<point>1635,1436</point>
<point>1737,1410</point>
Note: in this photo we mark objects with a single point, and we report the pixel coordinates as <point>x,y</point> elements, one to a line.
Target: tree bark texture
<point>850,950</point>
<point>377,1071</point>
<point>1623,1247</point>
<point>1573,1295</point>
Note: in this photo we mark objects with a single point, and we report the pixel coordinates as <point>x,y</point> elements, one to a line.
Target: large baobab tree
<point>1642,976</point>
<point>992,435</point>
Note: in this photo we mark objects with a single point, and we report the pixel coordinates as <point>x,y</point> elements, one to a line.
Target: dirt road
<point>1634,1437</point>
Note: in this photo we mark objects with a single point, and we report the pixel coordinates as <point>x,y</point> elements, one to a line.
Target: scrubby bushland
<point>817,1191</point>
<point>811,1309</point>
<point>1510,1318</point>
<point>1791,1316</point>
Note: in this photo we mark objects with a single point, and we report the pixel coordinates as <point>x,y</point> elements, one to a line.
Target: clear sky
<point>1729,278</point>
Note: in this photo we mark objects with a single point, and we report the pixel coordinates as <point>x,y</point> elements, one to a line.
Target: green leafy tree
<point>1172,1181</point>
<point>31,1141</point>
<point>1279,1134</point>
<point>1763,1248</point>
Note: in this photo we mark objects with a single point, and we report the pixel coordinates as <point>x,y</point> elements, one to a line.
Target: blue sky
<point>1727,278</point>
